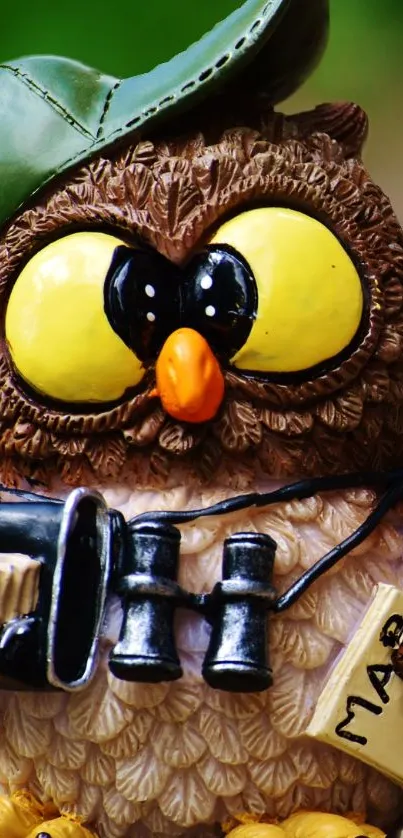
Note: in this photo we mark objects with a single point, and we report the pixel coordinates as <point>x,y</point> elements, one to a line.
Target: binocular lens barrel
<point>56,645</point>
<point>237,656</point>
<point>146,648</point>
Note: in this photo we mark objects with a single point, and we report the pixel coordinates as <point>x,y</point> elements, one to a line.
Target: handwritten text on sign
<point>360,710</point>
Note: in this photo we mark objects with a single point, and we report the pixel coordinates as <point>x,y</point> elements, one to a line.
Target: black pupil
<point>219,298</point>
<point>141,299</point>
<point>147,298</point>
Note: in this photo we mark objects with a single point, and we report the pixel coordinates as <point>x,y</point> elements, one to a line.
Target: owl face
<point>211,297</point>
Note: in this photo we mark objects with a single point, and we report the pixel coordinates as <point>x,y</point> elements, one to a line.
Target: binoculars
<point>86,552</point>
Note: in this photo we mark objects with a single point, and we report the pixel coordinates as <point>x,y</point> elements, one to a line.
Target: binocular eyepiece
<point>56,644</point>
<point>85,552</point>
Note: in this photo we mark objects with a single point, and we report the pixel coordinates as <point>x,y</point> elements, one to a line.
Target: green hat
<point>55,112</point>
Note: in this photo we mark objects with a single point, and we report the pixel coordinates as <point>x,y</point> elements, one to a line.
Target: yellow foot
<point>308,825</point>
<point>22,816</point>
<point>60,828</point>
<point>19,814</point>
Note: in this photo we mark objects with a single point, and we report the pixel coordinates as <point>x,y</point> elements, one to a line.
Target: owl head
<point>192,291</point>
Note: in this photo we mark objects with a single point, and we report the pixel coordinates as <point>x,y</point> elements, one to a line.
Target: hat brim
<point>55,112</point>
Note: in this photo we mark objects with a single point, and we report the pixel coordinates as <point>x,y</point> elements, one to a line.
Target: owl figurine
<point>201,413</point>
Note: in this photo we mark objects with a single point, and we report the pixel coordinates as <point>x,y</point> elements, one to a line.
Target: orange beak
<point>190,383</point>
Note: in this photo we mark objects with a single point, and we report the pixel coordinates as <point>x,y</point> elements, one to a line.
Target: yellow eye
<point>310,298</point>
<point>59,337</point>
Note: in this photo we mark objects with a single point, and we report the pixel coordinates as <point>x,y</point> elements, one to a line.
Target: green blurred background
<point>364,60</point>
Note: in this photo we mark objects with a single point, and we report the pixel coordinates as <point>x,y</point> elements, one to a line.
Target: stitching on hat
<point>44,94</point>
<point>239,44</point>
<point>251,34</point>
<point>167,99</point>
<point>223,61</point>
<point>255,26</point>
<point>107,104</point>
<point>203,76</point>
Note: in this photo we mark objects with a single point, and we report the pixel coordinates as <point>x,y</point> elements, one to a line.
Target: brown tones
<point>170,194</point>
